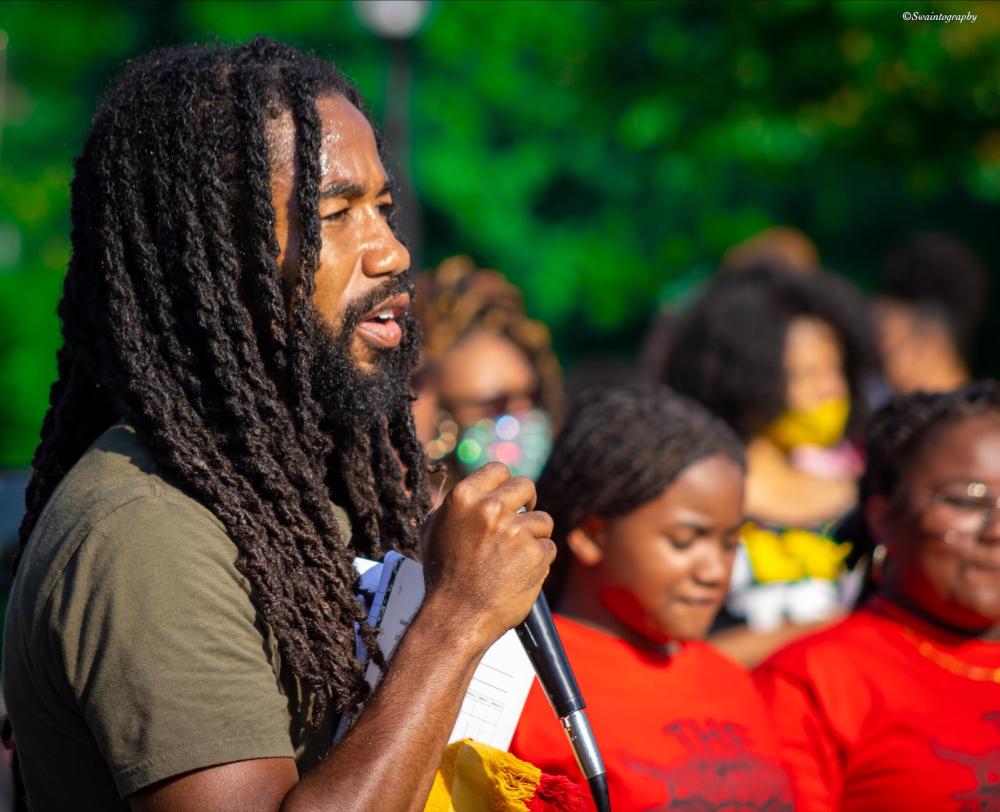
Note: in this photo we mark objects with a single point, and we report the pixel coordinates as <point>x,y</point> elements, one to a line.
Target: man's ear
<point>878,518</point>
<point>587,541</point>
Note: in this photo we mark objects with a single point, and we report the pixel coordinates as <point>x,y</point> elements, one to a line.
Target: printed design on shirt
<point>718,774</point>
<point>986,769</point>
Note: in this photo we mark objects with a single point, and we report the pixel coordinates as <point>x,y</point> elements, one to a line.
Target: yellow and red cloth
<point>475,777</point>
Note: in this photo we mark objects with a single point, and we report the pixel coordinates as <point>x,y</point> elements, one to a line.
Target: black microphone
<point>545,650</point>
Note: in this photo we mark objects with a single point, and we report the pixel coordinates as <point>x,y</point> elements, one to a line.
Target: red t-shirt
<point>872,716</point>
<point>686,731</point>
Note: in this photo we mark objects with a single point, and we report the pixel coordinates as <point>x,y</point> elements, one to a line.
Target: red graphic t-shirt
<point>685,731</point>
<point>883,712</point>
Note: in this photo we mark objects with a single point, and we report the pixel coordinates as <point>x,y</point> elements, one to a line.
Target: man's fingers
<point>517,492</point>
<point>538,523</point>
<point>488,478</point>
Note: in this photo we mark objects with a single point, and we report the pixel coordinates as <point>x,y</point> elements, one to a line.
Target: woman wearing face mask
<point>490,386</point>
<point>784,358</point>
<point>646,491</point>
<point>898,706</point>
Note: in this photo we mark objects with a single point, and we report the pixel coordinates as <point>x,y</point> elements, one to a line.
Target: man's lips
<point>380,327</point>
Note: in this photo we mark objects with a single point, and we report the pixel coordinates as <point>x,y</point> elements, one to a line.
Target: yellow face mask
<point>822,425</point>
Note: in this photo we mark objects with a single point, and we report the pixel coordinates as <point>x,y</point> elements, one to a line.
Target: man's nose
<point>384,255</point>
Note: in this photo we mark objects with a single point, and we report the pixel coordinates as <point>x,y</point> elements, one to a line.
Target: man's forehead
<point>347,151</point>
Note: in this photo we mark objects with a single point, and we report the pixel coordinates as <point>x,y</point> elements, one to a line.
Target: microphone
<point>541,641</point>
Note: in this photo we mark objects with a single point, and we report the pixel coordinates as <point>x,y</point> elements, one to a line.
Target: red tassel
<point>557,793</point>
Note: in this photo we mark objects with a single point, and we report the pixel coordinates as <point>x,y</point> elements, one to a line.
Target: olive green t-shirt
<point>132,650</point>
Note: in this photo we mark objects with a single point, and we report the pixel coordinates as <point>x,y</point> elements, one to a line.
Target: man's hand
<point>485,562</point>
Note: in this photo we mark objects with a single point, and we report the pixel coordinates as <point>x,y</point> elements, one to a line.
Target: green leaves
<point>602,155</point>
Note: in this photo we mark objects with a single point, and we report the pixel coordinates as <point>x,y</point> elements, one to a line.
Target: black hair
<point>620,447</point>
<point>900,431</point>
<point>942,280</point>
<point>728,351</point>
<point>895,438</point>
<point>175,321</point>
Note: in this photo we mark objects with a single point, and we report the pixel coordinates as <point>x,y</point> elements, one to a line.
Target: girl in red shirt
<point>898,707</point>
<point>646,490</point>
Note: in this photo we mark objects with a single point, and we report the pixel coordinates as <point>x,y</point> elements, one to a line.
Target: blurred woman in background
<point>646,491</point>
<point>934,299</point>
<point>898,706</point>
<point>784,358</point>
<point>490,386</point>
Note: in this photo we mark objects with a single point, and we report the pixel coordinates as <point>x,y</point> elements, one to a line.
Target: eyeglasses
<point>960,512</point>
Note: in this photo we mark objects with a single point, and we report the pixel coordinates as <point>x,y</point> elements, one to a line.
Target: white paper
<point>499,688</point>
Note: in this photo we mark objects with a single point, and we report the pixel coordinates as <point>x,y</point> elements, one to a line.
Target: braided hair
<point>619,448</point>
<point>175,321</point>
<point>895,438</point>
<point>900,431</point>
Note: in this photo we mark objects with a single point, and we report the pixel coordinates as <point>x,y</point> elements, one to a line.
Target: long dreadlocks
<point>175,321</point>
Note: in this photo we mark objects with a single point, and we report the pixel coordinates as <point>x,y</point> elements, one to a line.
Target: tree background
<point>602,155</point>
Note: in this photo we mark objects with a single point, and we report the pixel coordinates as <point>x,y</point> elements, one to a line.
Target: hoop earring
<point>877,567</point>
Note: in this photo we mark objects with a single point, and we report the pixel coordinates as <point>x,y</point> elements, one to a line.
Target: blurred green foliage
<point>601,154</point>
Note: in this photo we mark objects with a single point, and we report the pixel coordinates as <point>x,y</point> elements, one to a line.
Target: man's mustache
<point>356,311</point>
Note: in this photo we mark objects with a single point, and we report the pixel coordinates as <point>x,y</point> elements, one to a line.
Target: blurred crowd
<point>779,528</point>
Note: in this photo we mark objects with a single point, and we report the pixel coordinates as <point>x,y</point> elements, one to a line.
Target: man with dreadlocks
<point>230,426</point>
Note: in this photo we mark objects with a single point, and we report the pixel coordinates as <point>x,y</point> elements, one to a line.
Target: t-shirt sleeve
<point>808,747</point>
<point>161,648</point>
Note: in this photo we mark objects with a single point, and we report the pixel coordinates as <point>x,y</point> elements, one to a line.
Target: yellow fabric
<point>792,555</point>
<point>822,425</point>
<point>475,777</point>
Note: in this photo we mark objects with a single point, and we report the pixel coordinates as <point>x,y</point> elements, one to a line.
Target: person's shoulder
<point>114,516</point>
<point>584,640</point>
<point>118,476</point>
<point>832,647</point>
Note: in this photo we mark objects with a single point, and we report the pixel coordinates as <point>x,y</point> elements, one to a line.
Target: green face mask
<point>821,425</point>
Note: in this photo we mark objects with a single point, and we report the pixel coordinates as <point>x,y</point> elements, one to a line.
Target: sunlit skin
<point>661,572</point>
<point>952,582</point>
<point>814,364</point>
<point>359,250</point>
<point>917,353</point>
<point>482,370</point>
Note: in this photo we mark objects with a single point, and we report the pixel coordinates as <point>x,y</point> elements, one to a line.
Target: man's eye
<point>386,208</point>
<point>336,215</point>
<point>680,543</point>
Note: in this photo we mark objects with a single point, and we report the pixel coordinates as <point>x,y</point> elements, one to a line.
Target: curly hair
<point>728,351</point>
<point>174,321</point>
<point>620,447</point>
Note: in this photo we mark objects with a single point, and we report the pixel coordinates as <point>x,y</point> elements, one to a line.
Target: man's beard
<point>353,398</point>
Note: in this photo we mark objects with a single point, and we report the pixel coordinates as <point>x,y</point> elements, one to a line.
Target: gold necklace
<point>951,663</point>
